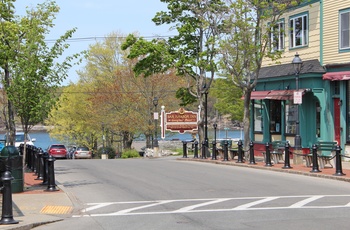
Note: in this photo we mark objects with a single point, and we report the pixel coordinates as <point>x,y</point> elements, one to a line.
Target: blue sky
<point>98,18</point>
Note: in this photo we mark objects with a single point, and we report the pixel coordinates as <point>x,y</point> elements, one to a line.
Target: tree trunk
<point>246,123</point>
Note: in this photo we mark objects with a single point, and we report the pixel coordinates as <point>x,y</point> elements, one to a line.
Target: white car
<point>20,139</point>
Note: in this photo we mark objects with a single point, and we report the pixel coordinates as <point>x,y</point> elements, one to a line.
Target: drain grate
<point>49,209</point>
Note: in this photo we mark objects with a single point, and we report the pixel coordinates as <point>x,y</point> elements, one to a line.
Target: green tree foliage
<point>193,51</point>
<point>228,98</point>
<point>109,101</point>
<point>250,24</point>
<point>33,67</point>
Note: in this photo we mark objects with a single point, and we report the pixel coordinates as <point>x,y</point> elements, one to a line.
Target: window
<point>290,114</point>
<point>344,29</point>
<point>277,36</point>
<point>258,116</point>
<point>275,116</point>
<point>298,31</point>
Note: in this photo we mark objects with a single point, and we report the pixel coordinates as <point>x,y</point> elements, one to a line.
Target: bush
<point>130,153</point>
<point>106,150</point>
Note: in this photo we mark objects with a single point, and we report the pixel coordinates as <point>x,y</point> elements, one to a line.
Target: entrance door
<point>337,128</point>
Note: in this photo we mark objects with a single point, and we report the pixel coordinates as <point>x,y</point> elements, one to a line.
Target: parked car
<point>82,152</point>
<point>20,139</point>
<point>57,151</point>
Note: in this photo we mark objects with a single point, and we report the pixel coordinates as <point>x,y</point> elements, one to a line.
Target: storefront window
<point>290,113</point>
<point>318,119</point>
<point>258,117</point>
<point>275,116</point>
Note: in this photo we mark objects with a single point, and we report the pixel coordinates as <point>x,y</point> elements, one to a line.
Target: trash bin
<point>11,160</point>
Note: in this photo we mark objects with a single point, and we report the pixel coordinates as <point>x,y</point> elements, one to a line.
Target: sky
<point>98,18</point>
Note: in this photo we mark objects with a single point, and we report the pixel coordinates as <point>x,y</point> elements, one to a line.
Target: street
<point>165,193</point>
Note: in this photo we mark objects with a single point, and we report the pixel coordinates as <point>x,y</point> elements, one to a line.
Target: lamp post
<point>155,103</point>
<point>206,141</point>
<point>214,142</point>
<point>297,63</point>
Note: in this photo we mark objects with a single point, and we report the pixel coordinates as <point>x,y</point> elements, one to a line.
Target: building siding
<point>312,50</point>
<point>331,53</point>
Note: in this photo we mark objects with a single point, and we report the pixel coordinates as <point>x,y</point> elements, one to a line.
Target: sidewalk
<point>35,206</point>
<point>327,172</point>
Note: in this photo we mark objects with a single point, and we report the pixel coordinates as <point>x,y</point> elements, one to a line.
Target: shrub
<point>106,150</point>
<point>130,153</point>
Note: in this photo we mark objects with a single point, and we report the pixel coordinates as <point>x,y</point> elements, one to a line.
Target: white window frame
<point>302,35</point>
<point>277,38</point>
<point>344,30</point>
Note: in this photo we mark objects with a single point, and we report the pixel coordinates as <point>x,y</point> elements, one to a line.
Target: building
<point>319,32</point>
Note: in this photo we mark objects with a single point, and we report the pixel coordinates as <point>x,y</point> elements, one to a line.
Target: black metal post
<point>338,165</point>
<point>268,155</point>
<point>203,150</point>
<point>206,141</point>
<point>297,63</point>
<point>7,214</point>
<point>184,149</point>
<point>225,150</point>
<point>286,157</point>
<point>251,153</point>
<point>314,160</point>
<point>240,152</point>
<point>29,157</point>
<point>45,168</point>
<point>40,165</point>
<point>155,103</point>
<point>51,187</point>
<point>195,149</point>
<point>214,151</point>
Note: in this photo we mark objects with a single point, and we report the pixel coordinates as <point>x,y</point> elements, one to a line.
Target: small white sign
<point>298,97</point>
<point>155,116</point>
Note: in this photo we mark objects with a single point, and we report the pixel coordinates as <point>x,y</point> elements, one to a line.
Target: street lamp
<point>155,103</point>
<point>297,63</point>
<point>214,142</point>
<point>206,141</point>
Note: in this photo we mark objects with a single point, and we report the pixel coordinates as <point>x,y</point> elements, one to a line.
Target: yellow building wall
<point>309,52</point>
<point>331,40</point>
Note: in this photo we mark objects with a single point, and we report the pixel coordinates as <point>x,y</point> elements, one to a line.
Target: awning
<point>274,94</point>
<point>337,76</point>
<point>259,95</point>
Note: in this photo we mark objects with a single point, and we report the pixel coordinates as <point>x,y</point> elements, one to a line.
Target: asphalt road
<point>168,194</point>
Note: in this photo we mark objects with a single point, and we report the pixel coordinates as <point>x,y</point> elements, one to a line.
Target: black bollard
<point>29,157</point>
<point>338,165</point>
<point>45,168</point>
<point>32,153</point>
<point>213,157</point>
<point>195,149</point>
<point>7,214</point>
<point>203,150</point>
<point>51,187</point>
<point>286,157</point>
<point>225,150</point>
<point>40,165</point>
<point>251,154</point>
<point>240,152</point>
<point>184,149</point>
<point>268,155</point>
<point>314,160</point>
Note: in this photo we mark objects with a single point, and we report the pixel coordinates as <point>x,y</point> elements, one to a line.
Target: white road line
<point>248,205</point>
<point>305,201</point>
<point>97,206</point>
<point>140,207</point>
<point>191,207</point>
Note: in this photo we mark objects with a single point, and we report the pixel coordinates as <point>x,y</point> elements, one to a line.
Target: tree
<point>193,52</point>
<point>251,23</point>
<point>32,73</point>
<point>109,100</point>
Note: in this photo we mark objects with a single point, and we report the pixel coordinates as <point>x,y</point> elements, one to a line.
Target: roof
<point>310,66</point>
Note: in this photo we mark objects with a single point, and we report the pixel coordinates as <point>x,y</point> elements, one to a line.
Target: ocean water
<point>43,139</point>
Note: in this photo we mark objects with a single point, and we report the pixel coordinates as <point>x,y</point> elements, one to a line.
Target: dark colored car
<point>57,151</point>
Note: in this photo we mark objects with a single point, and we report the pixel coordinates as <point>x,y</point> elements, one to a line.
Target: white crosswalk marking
<point>214,205</point>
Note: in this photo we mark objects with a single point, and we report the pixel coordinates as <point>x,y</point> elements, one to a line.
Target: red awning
<point>337,76</point>
<point>274,94</point>
<point>259,95</point>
